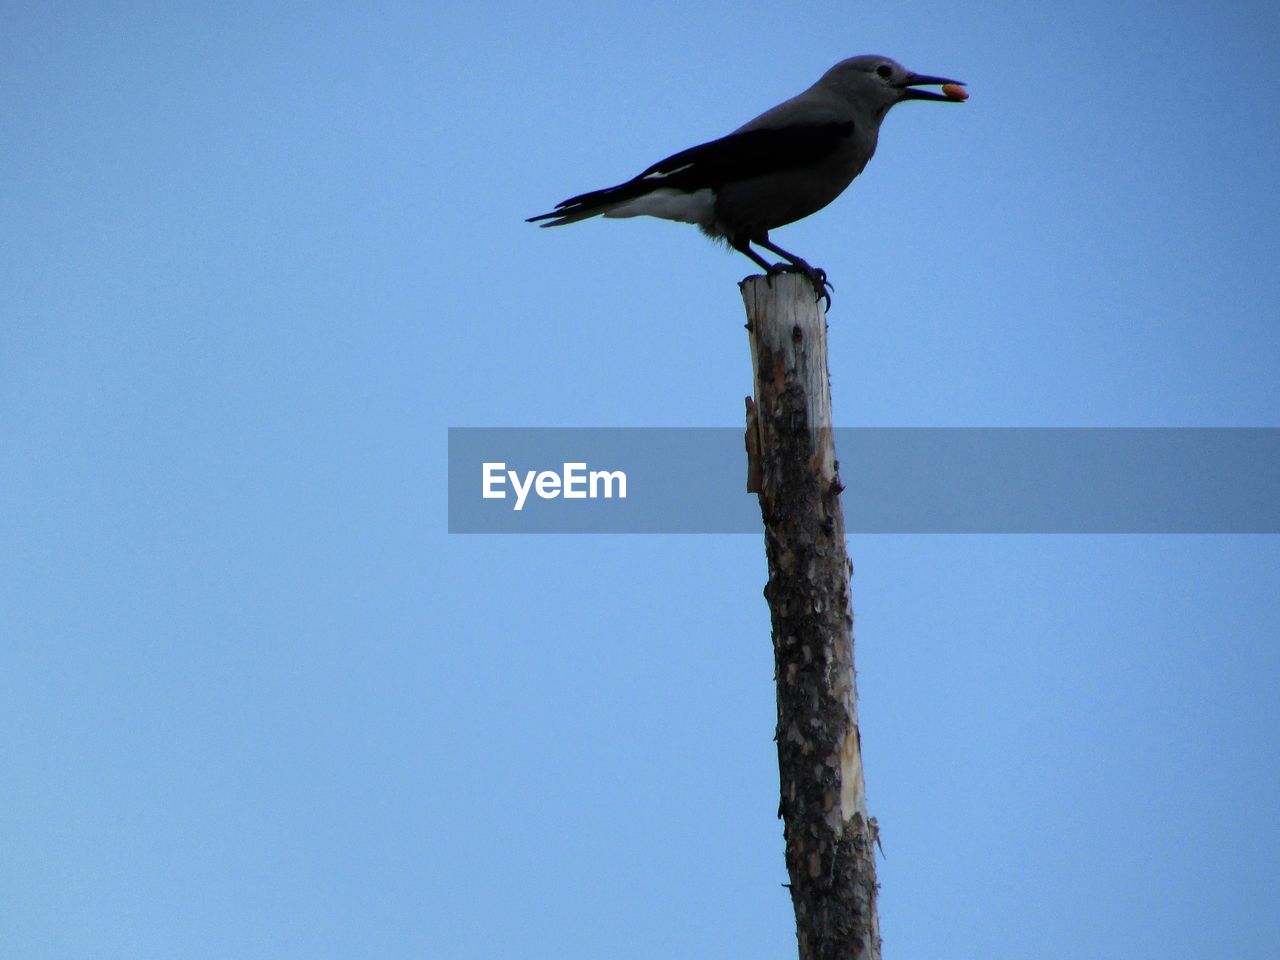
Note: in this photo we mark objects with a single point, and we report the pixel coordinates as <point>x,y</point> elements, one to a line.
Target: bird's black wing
<point>738,156</point>
<point>749,153</point>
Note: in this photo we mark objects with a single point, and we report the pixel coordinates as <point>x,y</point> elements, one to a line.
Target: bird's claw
<point>821,286</point>
<point>817,276</point>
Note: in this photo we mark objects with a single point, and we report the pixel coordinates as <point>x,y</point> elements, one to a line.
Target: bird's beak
<point>917,80</point>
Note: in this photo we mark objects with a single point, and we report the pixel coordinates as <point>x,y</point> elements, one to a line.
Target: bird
<point>787,163</point>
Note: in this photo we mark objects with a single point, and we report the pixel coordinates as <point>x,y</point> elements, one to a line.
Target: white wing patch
<point>670,173</point>
<point>696,207</point>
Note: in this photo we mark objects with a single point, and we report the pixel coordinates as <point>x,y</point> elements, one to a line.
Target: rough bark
<point>793,469</point>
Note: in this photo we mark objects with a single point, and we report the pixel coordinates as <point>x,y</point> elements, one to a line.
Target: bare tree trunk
<point>792,466</point>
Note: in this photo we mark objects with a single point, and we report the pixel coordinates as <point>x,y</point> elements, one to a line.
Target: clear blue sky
<point>256,703</point>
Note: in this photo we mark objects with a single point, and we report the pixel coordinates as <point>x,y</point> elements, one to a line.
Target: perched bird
<point>785,164</point>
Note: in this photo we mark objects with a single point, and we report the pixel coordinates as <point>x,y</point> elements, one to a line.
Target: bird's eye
<point>884,71</point>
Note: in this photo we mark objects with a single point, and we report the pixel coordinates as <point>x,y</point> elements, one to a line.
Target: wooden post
<point>793,469</point>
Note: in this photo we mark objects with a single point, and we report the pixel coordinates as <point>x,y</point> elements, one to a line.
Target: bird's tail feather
<point>593,204</point>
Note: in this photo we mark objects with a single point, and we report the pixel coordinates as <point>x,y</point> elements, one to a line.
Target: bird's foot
<point>817,276</point>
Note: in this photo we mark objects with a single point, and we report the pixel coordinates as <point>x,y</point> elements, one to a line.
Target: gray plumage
<point>785,164</point>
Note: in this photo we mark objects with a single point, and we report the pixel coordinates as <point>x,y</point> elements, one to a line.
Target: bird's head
<point>879,83</point>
